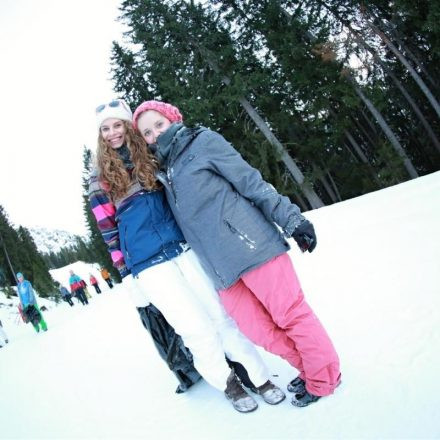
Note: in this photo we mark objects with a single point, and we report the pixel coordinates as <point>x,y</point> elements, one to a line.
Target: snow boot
<point>304,399</point>
<point>296,386</point>
<point>240,400</point>
<point>270,393</point>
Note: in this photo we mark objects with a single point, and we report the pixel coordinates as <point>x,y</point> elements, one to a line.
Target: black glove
<point>305,236</point>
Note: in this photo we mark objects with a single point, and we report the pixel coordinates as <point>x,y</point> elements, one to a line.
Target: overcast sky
<point>55,70</point>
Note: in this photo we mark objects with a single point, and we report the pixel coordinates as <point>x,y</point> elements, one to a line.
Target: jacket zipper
<point>164,179</point>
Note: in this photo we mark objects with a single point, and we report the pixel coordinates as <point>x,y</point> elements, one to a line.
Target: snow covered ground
<point>374,281</point>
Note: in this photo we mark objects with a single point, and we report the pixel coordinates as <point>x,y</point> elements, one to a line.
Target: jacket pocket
<point>241,235</point>
<point>247,221</point>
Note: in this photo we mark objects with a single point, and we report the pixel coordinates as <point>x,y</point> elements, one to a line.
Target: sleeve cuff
<point>294,221</point>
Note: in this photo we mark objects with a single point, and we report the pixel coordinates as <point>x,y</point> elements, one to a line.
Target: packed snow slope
<point>373,280</point>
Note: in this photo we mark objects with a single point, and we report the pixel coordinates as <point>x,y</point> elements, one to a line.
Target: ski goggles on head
<point>113,104</point>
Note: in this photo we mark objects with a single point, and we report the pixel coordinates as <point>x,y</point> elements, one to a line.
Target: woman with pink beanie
<point>229,216</point>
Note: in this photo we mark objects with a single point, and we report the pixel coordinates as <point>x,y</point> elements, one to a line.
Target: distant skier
<point>67,296</point>
<point>86,291</point>
<point>29,304</point>
<point>106,276</point>
<point>95,284</point>
<point>3,336</point>
<point>77,288</point>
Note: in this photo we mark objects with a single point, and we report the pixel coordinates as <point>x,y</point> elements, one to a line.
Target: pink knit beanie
<point>169,111</point>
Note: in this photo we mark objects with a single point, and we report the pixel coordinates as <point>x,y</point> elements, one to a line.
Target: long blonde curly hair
<point>112,172</point>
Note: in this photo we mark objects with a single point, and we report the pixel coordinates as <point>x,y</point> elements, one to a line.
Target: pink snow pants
<point>269,307</point>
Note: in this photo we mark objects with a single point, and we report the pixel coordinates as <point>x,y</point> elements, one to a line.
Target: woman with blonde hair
<point>157,265</point>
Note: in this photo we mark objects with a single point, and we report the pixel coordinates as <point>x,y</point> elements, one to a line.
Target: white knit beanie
<point>117,109</point>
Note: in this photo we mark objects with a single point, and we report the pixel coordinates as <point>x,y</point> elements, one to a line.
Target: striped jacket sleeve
<point>104,211</point>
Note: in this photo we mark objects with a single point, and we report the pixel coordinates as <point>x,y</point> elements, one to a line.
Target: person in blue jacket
<point>29,304</point>
<point>67,296</point>
<point>76,286</point>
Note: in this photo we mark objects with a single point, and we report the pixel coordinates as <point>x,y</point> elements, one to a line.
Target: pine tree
<point>10,257</point>
<point>348,130</point>
<point>185,58</point>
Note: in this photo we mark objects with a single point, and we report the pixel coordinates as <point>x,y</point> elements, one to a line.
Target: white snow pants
<point>185,295</point>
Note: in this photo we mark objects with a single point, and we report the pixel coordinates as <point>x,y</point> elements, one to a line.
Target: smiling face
<point>151,124</point>
<point>113,131</point>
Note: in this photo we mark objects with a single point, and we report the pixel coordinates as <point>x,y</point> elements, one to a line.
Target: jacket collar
<point>165,142</point>
<point>174,141</point>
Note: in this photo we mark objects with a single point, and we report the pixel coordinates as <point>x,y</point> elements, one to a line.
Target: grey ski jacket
<point>227,212</point>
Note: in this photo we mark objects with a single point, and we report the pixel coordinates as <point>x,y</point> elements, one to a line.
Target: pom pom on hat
<point>117,109</point>
<point>169,111</point>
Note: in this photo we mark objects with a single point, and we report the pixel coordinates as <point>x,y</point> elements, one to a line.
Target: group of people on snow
<point>78,287</point>
<point>31,312</point>
<point>200,241</point>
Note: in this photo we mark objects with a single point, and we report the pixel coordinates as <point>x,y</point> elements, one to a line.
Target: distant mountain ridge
<point>48,241</point>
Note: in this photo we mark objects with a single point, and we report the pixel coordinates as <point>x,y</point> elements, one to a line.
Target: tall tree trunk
<point>356,147</point>
<point>369,123</point>
<point>359,151</point>
<point>408,66</point>
<point>417,111</point>
<point>350,150</point>
<point>333,183</point>
<point>364,131</point>
<point>361,154</point>
<point>398,84</point>
<point>414,59</point>
<point>387,130</point>
<point>301,202</point>
<point>326,185</point>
